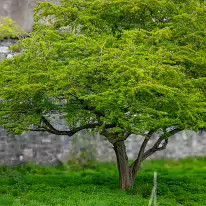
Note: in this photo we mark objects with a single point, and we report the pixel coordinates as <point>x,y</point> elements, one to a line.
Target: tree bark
<point>135,166</point>
<point>129,173</point>
<point>123,165</point>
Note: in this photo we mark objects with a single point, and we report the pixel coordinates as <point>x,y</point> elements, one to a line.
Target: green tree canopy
<point>119,67</point>
<point>9,29</point>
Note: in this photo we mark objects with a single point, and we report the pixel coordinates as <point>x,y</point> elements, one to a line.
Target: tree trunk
<point>123,165</point>
<point>129,173</point>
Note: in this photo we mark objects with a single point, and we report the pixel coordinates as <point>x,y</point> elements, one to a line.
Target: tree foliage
<point>9,29</point>
<point>119,67</point>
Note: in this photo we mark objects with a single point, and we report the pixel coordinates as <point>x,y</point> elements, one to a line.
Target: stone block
<point>28,153</point>
<point>46,140</point>
<point>4,49</point>
<point>63,158</point>
<point>2,146</point>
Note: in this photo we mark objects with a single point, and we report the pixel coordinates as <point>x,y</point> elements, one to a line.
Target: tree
<point>9,29</point>
<point>116,67</point>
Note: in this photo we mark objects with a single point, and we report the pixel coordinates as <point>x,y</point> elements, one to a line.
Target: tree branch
<point>111,137</point>
<point>135,166</point>
<point>156,146</point>
<point>48,127</point>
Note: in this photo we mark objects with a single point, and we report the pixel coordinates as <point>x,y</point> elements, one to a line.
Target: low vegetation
<point>179,183</point>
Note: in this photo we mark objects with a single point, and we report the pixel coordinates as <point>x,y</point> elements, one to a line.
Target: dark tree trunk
<point>128,173</point>
<point>123,165</point>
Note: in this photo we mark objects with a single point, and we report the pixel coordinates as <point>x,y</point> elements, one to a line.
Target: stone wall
<point>49,149</point>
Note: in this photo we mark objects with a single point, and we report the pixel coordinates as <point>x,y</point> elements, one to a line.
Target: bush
<point>9,29</point>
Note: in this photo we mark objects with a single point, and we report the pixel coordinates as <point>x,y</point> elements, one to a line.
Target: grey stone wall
<point>49,149</point>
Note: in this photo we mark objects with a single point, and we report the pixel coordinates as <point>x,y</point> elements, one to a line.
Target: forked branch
<point>156,147</point>
<point>162,140</point>
<point>135,166</point>
<point>159,145</point>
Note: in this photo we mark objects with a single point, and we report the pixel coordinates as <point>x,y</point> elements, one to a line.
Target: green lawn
<point>179,183</point>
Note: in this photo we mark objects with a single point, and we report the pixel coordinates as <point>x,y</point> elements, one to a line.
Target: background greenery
<point>9,29</point>
<point>179,183</point>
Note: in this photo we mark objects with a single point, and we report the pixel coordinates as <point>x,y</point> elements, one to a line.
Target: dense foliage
<point>179,183</point>
<point>119,67</point>
<point>142,64</point>
<point>9,29</point>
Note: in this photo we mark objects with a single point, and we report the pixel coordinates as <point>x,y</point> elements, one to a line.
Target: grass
<point>179,183</point>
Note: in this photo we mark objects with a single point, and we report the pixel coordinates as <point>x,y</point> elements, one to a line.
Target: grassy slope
<point>179,183</point>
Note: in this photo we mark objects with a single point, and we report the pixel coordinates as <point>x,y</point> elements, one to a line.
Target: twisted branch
<point>48,127</point>
<point>156,147</point>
